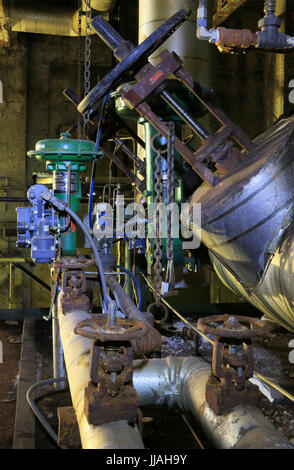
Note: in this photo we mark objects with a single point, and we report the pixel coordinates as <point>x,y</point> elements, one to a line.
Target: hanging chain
<point>87,72</point>
<point>170,190</point>
<point>158,241</point>
<point>79,66</point>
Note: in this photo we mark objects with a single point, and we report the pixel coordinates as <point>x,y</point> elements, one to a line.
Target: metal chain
<point>170,190</point>
<point>158,241</point>
<point>79,66</point>
<point>87,72</point>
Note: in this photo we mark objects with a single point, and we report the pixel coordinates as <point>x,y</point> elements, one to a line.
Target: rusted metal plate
<point>222,400</point>
<point>68,429</point>
<point>150,78</point>
<point>110,396</point>
<point>100,407</point>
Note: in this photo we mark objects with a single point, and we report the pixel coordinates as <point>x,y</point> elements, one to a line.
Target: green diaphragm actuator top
<point>57,151</point>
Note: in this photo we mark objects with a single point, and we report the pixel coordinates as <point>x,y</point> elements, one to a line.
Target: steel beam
<point>224,9</point>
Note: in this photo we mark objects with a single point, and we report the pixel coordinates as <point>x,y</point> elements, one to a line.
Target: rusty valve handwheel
<point>129,56</point>
<point>231,326</point>
<point>67,263</point>
<point>124,329</point>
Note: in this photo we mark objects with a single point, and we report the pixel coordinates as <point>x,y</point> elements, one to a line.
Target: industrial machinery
<point>245,190</point>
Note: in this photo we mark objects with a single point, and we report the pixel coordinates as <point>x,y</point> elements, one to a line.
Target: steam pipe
<point>182,381</point>
<point>171,381</point>
<point>114,435</point>
<point>34,18</point>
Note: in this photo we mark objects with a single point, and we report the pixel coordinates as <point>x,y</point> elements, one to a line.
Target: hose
<point>135,282</point>
<point>76,218</point>
<point>91,192</point>
<point>62,206</point>
<point>36,410</point>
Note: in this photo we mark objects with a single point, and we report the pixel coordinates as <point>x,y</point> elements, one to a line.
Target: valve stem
<point>269,7</point>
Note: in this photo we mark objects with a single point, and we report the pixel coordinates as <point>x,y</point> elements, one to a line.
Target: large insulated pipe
<point>103,6</point>
<point>248,226</point>
<point>34,17</point>
<point>114,435</point>
<point>182,381</point>
<point>195,54</point>
<point>275,295</point>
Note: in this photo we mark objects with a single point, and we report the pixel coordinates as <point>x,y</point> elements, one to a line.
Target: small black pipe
<point>33,276</point>
<point>176,106</point>
<point>13,199</point>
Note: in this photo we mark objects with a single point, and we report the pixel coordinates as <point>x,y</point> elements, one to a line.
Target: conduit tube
<point>123,300</point>
<point>115,435</point>
<point>182,381</point>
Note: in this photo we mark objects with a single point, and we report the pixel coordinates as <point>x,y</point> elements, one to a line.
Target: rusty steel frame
<point>152,80</point>
<point>223,9</point>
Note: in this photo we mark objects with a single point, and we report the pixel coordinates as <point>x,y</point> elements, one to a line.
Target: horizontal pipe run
<point>63,21</point>
<point>171,381</point>
<point>182,381</point>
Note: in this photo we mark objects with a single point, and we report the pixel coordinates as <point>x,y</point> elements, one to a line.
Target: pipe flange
<point>233,326</point>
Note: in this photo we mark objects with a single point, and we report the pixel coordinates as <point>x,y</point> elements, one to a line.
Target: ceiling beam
<point>223,9</point>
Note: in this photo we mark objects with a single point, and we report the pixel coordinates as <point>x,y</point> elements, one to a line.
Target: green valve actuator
<point>66,158</point>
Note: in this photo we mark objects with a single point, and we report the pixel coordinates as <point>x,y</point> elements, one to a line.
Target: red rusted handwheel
<point>232,326</point>
<point>124,330</point>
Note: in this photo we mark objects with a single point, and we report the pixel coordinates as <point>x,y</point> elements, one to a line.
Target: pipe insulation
<point>114,435</point>
<point>174,381</point>
<point>182,381</point>
<point>34,17</point>
<point>197,55</point>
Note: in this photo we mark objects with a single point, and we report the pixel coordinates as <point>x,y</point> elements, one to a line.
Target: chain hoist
<point>170,274</point>
<point>157,307</point>
<point>79,66</point>
<point>158,200</point>
<point>87,71</point>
